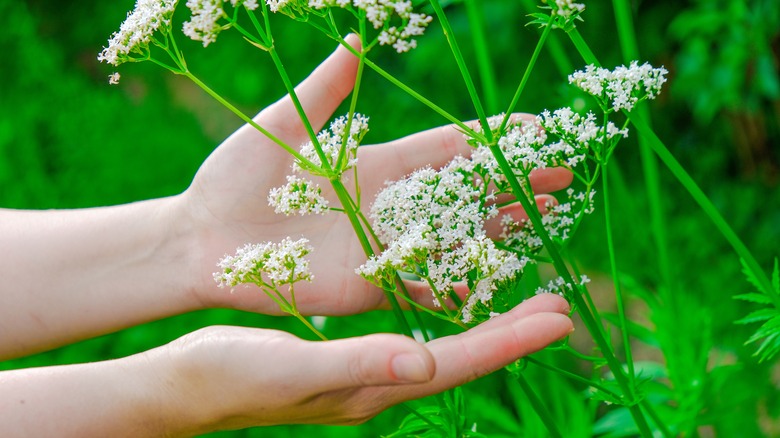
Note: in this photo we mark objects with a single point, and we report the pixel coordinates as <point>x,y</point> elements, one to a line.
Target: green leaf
<point>754,297</point>
<point>751,276</point>
<point>758,315</point>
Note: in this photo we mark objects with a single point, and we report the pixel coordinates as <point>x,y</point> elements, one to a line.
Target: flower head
<point>567,8</point>
<point>299,196</point>
<point>135,33</point>
<point>266,264</point>
<point>331,140</point>
<point>113,78</point>
<point>395,17</point>
<point>203,25</point>
<point>622,87</point>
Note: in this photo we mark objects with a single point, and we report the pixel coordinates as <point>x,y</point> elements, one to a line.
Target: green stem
<point>704,202</point>
<point>486,73</point>
<point>538,405</point>
<point>246,119</point>
<point>630,49</point>
<point>309,325</point>
<point>587,317</point>
<point>570,375</point>
<point>326,164</point>
<point>464,71</point>
<point>583,47</point>
<point>348,204</point>
<point>405,88</point>
<point>527,74</point>
<point>621,308</point>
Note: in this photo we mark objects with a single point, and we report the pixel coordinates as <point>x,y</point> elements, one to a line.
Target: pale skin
<point>71,275</point>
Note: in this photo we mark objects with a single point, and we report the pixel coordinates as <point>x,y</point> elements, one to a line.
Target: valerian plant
<point>431,225</point>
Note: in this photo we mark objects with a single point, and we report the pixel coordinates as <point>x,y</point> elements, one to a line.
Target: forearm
<point>73,274</point>
<point>137,396</point>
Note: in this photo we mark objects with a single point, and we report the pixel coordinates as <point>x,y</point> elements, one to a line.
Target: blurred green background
<point>69,140</point>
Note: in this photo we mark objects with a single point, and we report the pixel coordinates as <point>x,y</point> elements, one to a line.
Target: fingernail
<point>410,368</point>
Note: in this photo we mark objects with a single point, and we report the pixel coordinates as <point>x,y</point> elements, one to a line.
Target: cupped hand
<point>228,207</point>
<point>232,377</point>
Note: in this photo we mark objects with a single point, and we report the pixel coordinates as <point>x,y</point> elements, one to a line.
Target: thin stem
<point>527,73</point>
<point>704,202</point>
<point>621,308</point>
<point>464,71</point>
<point>348,204</point>
<point>326,165</point>
<point>309,325</point>
<point>405,88</point>
<point>539,407</point>
<point>247,119</point>
<point>571,375</point>
<point>583,47</point>
<point>590,322</point>
<point>486,74</point>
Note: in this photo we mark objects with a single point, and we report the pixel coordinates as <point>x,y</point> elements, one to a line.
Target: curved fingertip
<point>354,41</point>
<point>548,303</point>
<point>537,331</point>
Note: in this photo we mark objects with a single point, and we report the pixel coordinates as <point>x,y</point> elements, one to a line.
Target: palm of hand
<point>228,203</point>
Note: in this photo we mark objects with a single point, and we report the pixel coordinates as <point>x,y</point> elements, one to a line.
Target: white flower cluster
<point>381,13</point>
<point>622,87</point>
<point>567,8</point>
<point>332,141</point>
<point>203,24</point>
<point>529,146</point>
<point>299,196</point>
<point>266,264</point>
<point>559,286</point>
<point>135,33</point>
<point>558,222</point>
<point>433,224</point>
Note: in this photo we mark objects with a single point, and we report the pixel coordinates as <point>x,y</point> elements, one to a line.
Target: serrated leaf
<point>750,275</point>
<point>754,297</point>
<point>758,315</point>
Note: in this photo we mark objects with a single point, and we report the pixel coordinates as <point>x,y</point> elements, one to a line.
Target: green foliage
<point>67,140</point>
<point>769,332</point>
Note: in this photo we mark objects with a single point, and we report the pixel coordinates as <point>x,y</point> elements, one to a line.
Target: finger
<point>381,359</point>
<point>550,179</point>
<point>542,303</point>
<point>319,94</point>
<point>466,357</point>
<point>434,147</point>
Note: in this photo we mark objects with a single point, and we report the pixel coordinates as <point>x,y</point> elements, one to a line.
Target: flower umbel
<point>203,25</point>
<point>136,32</point>
<point>333,140</point>
<point>622,87</point>
<point>298,196</point>
<point>266,264</point>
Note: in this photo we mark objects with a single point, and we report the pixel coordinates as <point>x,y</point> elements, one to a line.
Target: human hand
<point>232,377</point>
<point>227,202</point>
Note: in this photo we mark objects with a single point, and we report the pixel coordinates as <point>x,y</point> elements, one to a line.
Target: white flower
<point>203,24</point>
<point>331,140</point>
<point>395,17</point>
<point>298,196</point>
<point>113,78</point>
<point>266,264</point>
<point>135,33</point>
<point>622,87</point>
<point>275,5</point>
<point>567,8</point>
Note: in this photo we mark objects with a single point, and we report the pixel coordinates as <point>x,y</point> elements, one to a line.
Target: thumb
<point>319,94</point>
<point>374,360</point>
